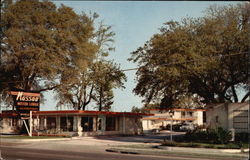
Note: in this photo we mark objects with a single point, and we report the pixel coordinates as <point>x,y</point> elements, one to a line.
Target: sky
<point>134,23</point>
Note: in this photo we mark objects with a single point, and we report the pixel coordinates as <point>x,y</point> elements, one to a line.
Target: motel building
<point>74,123</point>
<point>27,118</point>
<point>163,117</point>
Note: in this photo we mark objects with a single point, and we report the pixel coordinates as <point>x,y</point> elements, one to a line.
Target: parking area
<point>148,138</point>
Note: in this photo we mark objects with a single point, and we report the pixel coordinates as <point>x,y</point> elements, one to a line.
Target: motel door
<point>240,120</point>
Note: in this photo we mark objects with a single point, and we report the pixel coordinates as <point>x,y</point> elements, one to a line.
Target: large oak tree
<point>41,43</point>
<point>207,56</point>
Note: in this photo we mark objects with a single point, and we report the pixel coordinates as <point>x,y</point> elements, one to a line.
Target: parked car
<point>187,127</point>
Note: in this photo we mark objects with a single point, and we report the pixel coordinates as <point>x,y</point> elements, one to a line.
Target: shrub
<point>191,145</point>
<point>223,135</point>
<point>242,137</point>
<point>232,146</point>
<point>209,146</point>
<point>219,135</point>
<point>168,143</point>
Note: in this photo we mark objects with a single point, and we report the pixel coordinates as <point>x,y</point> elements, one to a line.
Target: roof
<point>89,112</point>
<point>176,109</point>
<point>75,112</point>
<point>168,119</point>
<point>8,113</point>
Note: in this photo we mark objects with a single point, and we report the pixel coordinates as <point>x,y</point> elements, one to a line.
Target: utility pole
<point>171,113</point>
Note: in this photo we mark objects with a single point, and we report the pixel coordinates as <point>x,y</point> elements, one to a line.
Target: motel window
<point>152,122</point>
<point>41,123</point>
<point>66,123</point>
<point>99,125</point>
<point>110,123</point>
<point>204,117</point>
<point>183,114</point>
<point>51,122</point>
<point>63,123</point>
<point>217,119</point>
<point>87,124</point>
<point>70,123</point>
<point>14,122</point>
<point>190,114</point>
<point>9,120</point>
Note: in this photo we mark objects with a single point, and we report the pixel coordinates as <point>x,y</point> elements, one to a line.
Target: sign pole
<point>31,124</point>
<point>26,126</point>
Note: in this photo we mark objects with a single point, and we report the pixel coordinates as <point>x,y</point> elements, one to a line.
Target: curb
<point>122,152</point>
<point>125,150</point>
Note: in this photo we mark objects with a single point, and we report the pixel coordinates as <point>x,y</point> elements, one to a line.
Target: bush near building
<point>218,138</point>
<point>213,136</point>
<point>242,137</point>
<point>210,138</point>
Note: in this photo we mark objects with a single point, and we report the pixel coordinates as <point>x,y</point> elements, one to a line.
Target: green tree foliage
<point>44,47</point>
<point>136,109</point>
<point>205,56</point>
<point>108,75</point>
<point>95,84</point>
<point>188,100</point>
<point>42,44</point>
<point>146,108</point>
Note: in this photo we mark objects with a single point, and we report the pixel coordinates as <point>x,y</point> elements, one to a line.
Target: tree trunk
<point>100,100</point>
<point>234,94</point>
<point>90,97</point>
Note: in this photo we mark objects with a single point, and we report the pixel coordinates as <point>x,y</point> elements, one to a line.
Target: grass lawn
<point>186,144</point>
<point>204,145</point>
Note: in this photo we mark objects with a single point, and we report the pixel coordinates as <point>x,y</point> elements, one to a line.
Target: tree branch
<point>49,88</point>
<point>90,95</point>
<point>245,97</point>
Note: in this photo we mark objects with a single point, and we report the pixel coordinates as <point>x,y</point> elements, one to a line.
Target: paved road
<point>10,153</point>
<point>84,148</point>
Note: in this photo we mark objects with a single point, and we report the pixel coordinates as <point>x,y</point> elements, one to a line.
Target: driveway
<point>149,138</point>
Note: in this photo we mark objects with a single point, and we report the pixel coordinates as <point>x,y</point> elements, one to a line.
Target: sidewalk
<point>9,140</point>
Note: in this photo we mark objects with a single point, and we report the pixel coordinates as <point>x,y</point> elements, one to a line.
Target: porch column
<point>58,123</point>
<point>77,125</point>
<point>38,122</point>
<point>45,122</point>
<point>94,124</point>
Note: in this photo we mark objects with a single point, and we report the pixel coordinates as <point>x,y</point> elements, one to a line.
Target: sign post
<point>31,124</point>
<point>25,103</point>
<point>26,127</point>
